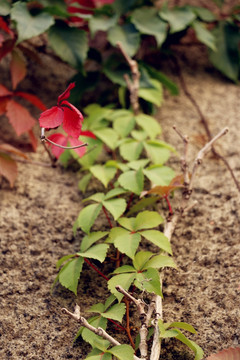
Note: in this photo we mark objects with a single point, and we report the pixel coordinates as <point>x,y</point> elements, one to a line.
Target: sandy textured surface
<point>38,213</point>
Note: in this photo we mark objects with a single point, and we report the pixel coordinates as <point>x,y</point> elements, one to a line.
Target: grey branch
<point>98,331</point>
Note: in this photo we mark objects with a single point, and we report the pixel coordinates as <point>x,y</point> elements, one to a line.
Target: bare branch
<point>98,331</point>
<point>203,152</point>
<point>143,332</point>
<point>132,85</point>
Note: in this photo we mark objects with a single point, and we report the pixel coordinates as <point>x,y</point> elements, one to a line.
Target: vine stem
<point>94,267</point>
<point>107,216</point>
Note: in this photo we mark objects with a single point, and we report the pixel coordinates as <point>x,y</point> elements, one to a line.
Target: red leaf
<point>58,139</point>
<point>32,99</point>
<point>4,26</point>
<point>65,95</point>
<point>19,117</point>
<point>33,139</point>
<point>12,150</point>
<point>3,104</point>
<point>88,134</point>
<point>227,354</point>
<point>6,47</point>
<point>4,91</point>
<point>72,121</point>
<point>17,67</point>
<point>75,142</point>
<point>8,168</point>
<point>51,118</point>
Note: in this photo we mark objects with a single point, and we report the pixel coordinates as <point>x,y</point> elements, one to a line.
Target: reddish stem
<point>128,330</point>
<point>94,267</point>
<point>130,201</point>
<point>169,205</point>
<point>120,326</point>
<point>107,216</point>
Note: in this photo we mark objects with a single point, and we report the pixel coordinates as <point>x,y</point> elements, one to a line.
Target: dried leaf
<point>33,139</point>
<point>227,354</point>
<point>8,168</point>
<point>11,149</point>
<point>19,117</point>
<point>17,67</point>
<point>176,183</point>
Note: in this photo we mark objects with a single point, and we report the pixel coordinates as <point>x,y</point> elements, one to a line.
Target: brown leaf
<point>33,139</point>
<point>11,149</point>
<point>8,168</point>
<point>17,67</point>
<point>176,183</point>
<point>227,354</point>
<point>20,118</point>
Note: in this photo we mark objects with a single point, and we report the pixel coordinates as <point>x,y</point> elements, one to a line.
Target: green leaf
<point>87,217</point>
<point>168,334</point>
<point>125,241</point>
<point>203,13</point>
<point>150,281</point>
<point>83,183</point>
<point>91,238</point>
<point>124,269</point>
<point>159,175</point>
<point>160,261</point>
<point>140,259</point>
<point>116,207</point>
<point>191,344</point>
<point>147,219</point>
<point>137,164</point>
<point>28,25</point>
<point>96,114</point>
<point>127,35</point>
<point>109,301</point>
<point>98,197</point>
<point>70,44</point>
<point>94,150</point>
<point>102,23</point>
<point>103,173</point>
<point>158,153</point>
<point>5,8</point>
<point>227,58</point>
<point>165,80</point>
<point>124,124</point>
<point>97,354</point>
<point>142,204</point>
<point>181,325</point>
<point>132,180</point>
<point>108,136</point>
<point>149,124</point>
<point>122,352</point>
<point>116,312</point>
<point>131,149</point>
<point>69,275</point>
<point>97,252</point>
<point>91,337</point>
<point>148,22</point>
<point>114,192</point>
<point>204,35</point>
<point>127,223</point>
<point>98,308</point>
<point>63,259</point>
<point>122,7</point>
<point>157,238</point>
<point>153,95</point>
<point>178,18</point>
<point>124,280</point>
